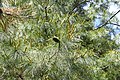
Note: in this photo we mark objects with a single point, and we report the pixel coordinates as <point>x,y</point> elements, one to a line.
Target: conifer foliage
<point>81,50</point>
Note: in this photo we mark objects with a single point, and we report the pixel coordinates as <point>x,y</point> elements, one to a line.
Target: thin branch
<point>77,4</point>
<point>108,20</point>
<point>115,24</point>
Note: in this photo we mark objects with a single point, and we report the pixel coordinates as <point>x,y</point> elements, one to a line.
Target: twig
<point>108,20</point>
<point>52,56</point>
<point>114,24</point>
<point>77,4</point>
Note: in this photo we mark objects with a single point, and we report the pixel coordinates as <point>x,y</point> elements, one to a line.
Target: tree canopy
<point>58,40</point>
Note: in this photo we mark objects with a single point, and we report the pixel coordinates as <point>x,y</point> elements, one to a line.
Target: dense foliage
<point>58,40</point>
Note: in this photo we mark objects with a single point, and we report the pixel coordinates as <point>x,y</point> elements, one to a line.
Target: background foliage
<point>86,52</point>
